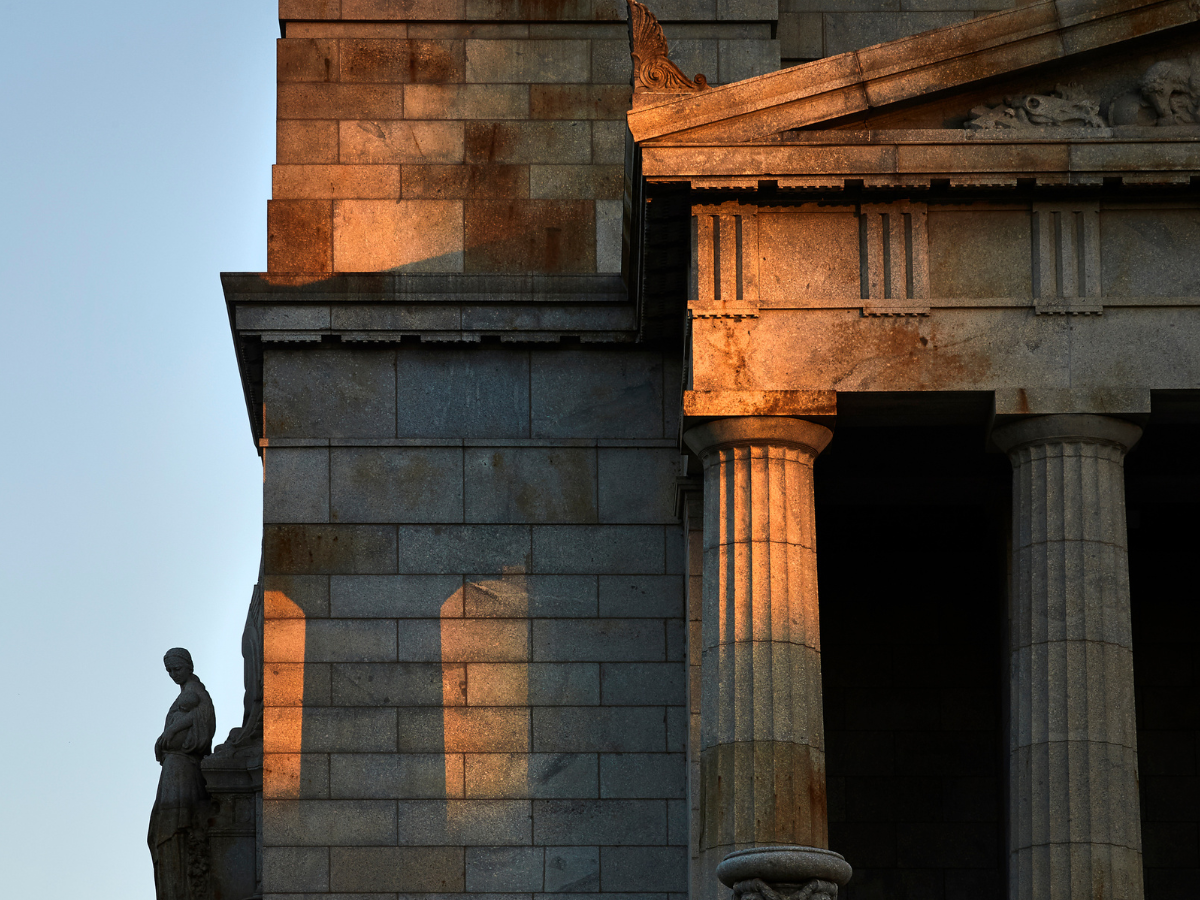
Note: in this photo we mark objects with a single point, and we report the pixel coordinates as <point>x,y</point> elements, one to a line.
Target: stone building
<point>556,381</point>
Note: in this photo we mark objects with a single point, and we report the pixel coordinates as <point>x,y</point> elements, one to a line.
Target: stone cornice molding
<point>904,69</point>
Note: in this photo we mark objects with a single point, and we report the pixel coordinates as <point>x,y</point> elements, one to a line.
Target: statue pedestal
<point>234,825</point>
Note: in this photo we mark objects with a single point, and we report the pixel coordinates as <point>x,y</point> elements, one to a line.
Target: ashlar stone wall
<point>471,135</point>
<point>475,647</point>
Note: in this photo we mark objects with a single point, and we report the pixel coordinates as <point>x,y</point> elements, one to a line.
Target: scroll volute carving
<point>652,70</point>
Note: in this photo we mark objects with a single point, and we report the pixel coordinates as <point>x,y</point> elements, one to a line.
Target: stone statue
<point>177,822</point>
<point>246,740</point>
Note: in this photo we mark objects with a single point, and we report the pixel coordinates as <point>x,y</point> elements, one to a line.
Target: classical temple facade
<point>576,374</point>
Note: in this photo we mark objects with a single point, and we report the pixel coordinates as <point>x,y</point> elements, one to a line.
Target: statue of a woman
<point>177,821</point>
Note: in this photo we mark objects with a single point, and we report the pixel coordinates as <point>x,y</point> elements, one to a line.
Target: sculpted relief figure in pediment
<point>1066,106</point>
<point>1167,94</point>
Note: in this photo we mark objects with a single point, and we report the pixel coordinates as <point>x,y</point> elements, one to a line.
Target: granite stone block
<point>334,729</point>
<point>572,869</point>
<point>641,596</point>
<point>527,62</point>
<point>642,775</point>
<point>551,236</point>
<point>609,235</point>
<point>742,59</point>
<point>464,182</point>
<point>610,62</point>
<point>334,549</point>
<point>306,59</point>
<point>637,485</point>
<point>394,776</point>
<point>578,640</point>
<point>550,182</point>
<point>576,393</point>
<point>485,640</point>
<point>338,182</point>
<point>643,868</point>
<point>533,684</point>
<point>421,729</point>
<point>528,142</point>
<point>643,684</point>
<point>599,822</point>
<point>306,141</point>
<point>437,869</point>
<point>542,596</point>
<point>505,868</point>
<point>463,548</point>
<point>329,823</point>
<point>296,596</point>
<point>420,61</point>
<point>299,236</point>
<point>480,391</point>
<point>296,684</point>
<point>398,235</point>
<point>608,141</point>
<point>536,775</point>
<point>579,101</point>
<point>396,596</point>
<point>846,31</point>
<point>530,484</point>
<point>801,35</point>
<point>296,868</point>
<point>391,684</point>
<point>603,549</point>
<point>392,141</point>
<point>350,640</point>
<point>612,729</point>
<point>329,390</point>
<point>466,101</point>
<point>396,484</point>
<point>464,822</point>
<point>486,730</point>
<point>342,101</point>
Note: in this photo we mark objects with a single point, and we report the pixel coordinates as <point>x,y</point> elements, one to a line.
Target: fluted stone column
<point>1075,829</point>
<point>762,753</point>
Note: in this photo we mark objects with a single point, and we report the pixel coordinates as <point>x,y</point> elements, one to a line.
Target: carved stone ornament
<point>1168,94</point>
<point>1066,107</point>
<point>757,889</point>
<point>652,70</point>
<point>178,837</point>
<point>246,740</point>
<point>784,873</point>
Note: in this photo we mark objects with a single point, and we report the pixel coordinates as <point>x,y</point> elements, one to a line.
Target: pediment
<point>1057,70</point>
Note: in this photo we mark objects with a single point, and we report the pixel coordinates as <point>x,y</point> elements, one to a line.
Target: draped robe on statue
<point>177,820</point>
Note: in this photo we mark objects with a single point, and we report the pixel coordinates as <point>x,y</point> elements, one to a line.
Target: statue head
<point>179,664</point>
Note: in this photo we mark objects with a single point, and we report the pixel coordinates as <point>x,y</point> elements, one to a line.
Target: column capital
<point>743,430</point>
<point>1065,428</point>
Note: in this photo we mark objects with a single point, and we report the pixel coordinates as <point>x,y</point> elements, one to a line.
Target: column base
<point>784,873</point>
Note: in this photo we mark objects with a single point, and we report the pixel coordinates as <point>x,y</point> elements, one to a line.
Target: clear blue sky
<point>136,167</point>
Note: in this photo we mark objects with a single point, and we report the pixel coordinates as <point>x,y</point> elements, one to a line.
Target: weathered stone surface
<point>1072,716</point>
<point>401,235</point>
<point>529,236</point>
<point>299,236</point>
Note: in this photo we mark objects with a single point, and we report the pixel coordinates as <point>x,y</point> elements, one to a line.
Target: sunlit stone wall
<point>475,649</point>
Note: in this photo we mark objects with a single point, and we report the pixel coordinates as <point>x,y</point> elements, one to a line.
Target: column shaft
<point>1075,830</point>
<point>762,756</point>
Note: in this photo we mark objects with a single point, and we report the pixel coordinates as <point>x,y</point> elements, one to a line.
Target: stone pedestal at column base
<point>784,873</point>
<point>234,826</point>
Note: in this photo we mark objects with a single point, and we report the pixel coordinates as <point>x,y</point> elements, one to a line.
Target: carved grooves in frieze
<point>1066,258</point>
<point>893,259</point>
<point>724,263</point>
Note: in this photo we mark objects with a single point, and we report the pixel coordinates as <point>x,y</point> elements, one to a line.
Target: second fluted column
<point>762,755</point>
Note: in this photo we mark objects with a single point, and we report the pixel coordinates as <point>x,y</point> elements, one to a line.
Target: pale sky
<point>136,167</point>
